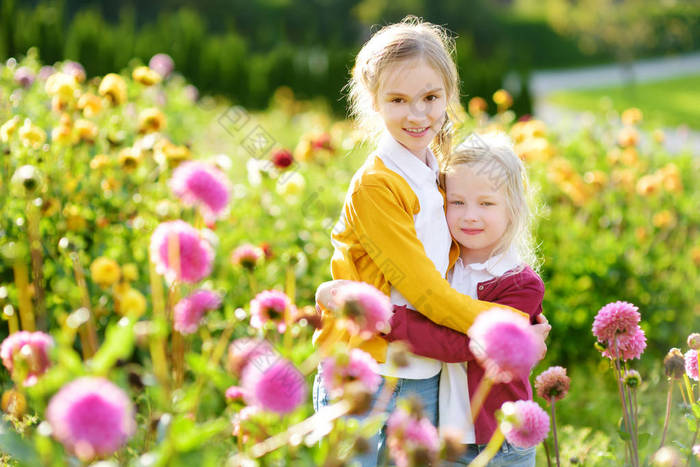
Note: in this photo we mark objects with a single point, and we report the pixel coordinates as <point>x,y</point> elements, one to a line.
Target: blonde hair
<point>412,38</point>
<point>495,158</point>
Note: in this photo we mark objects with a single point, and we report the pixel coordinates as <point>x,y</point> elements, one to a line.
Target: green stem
<point>554,432</point>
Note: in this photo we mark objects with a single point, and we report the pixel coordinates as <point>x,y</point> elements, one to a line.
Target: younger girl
<point>392,231</point>
<point>488,215</point>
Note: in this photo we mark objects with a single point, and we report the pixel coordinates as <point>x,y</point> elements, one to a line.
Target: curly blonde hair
<point>412,38</point>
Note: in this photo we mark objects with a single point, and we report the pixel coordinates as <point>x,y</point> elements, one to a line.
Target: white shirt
<point>453,402</point>
<point>432,231</point>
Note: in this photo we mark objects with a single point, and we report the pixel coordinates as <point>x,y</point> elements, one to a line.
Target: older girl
<point>392,231</point>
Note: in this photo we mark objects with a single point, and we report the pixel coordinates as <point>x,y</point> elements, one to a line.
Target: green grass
<point>667,103</point>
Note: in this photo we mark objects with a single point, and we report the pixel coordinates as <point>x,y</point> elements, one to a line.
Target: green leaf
<point>623,434</point>
<point>186,435</point>
<point>692,423</point>
<point>118,344</point>
<point>19,449</point>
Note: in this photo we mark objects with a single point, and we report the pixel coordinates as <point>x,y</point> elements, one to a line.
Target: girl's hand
<point>543,325</point>
<point>326,292</point>
<point>542,329</point>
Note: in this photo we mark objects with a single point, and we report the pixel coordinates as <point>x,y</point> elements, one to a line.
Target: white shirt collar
<point>497,265</point>
<point>410,166</point>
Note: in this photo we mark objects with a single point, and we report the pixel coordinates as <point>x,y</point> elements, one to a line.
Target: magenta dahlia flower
<point>196,254</point>
<point>270,305</point>
<point>411,440</point>
<point>691,364</point>
<point>626,346</point>
<point>525,423</point>
<point>277,387</point>
<point>244,350</point>
<point>30,350</point>
<point>552,384</point>
<point>201,184</point>
<point>162,64</point>
<point>91,417</point>
<point>247,255</point>
<point>357,366</point>
<point>366,308</point>
<point>189,311</point>
<point>504,344</point>
<point>614,319</point>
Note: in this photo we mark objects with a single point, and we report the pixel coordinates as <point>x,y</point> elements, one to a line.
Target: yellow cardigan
<point>375,241</point>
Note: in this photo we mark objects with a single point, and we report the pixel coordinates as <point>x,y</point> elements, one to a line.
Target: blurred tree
<point>624,27</point>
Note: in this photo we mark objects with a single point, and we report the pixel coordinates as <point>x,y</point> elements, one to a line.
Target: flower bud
<point>674,364</point>
<point>359,397</point>
<point>452,442</point>
<point>666,457</point>
<point>694,341</point>
<point>399,354</point>
<point>632,378</point>
<point>27,181</point>
<point>14,403</point>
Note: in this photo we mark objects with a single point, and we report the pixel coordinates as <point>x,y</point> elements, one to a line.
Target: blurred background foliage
<point>247,49</point>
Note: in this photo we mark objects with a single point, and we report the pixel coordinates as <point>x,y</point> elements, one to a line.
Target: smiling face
<point>412,102</point>
<point>477,211</point>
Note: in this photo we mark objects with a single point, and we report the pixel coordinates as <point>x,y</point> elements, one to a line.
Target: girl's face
<point>477,213</point>
<point>412,102</point>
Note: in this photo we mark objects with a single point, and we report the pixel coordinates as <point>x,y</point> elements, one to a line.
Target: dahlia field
<point>160,252</point>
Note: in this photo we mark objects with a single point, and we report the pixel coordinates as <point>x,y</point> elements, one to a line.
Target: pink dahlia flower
<point>91,417</point>
<point>198,183</point>
<point>24,76</point>
<point>525,423</point>
<point>189,311</point>
<point>195,254</point>
<point>277,387</point>
<point>626,346</point>
<point>235,393</point>
<point>74,69</point>
<point>411,440</point>
<point>504,344</point>
<point>614,319</point>
<point>28,349</point>
<point>552,384</point>
<point>270,305</point>
<point>358,366</point>
<point>244,350</point>
<point>162,64</point>
<point>691,364</point>
<point>247,255</point>
<point>46,71</point>
<point>366,308</point>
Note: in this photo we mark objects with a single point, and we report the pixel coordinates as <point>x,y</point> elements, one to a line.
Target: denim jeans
<point>425,389</point>
<point>507,456</point>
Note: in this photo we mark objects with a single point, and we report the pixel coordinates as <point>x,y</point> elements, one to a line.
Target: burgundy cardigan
<point>524,291</point>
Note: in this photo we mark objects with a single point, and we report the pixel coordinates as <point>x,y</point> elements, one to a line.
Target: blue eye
<point>456,203</point>
<point>488,203</point>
